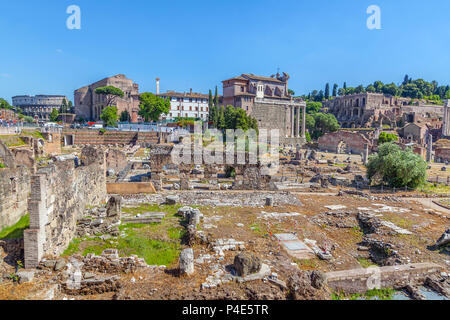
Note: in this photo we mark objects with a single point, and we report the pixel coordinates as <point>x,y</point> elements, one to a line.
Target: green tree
<point>109,116</point>
<point>221,124</point>
<point>216,98</point>
<point>327,91</point>
<point>360,89</point>
<point>405,80</point>
<point>370,88</point>
<point>241,119</point>
<point>125,116</point>
<point>4,104</point>
<point>396,167</point>
<point>54,115</point>
<point>390,89</point>
<point>313,107</point>
<point>111,94</point>
<point>324,123</point>
<point>151,106</point>
<point>447,94</point>
<point>64,107</point>
<point>378,85</point>
<point>230,117</point>
<point>28,119</point>
<point>291,92</point>
<point>387,137</point>
<point>335,88</point>
<point>210,100</point>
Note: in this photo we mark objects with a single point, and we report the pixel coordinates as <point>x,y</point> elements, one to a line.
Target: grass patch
<point>433,188</point>
<point>2,165</point>
<point>74,247</point>
<point>176,233</point>
<point>145,207</point>
<point>399,221</point>
<point>12,141</point>
<point>34,134</point>
<point>374,294</point>
<point>365,263</point>
<point>16,231</point>
<point>307,264</point>
<point>157,243</point>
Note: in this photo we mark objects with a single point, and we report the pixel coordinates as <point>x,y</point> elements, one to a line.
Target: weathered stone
<point>60,264</point>
<point>25,276</point>
<point>269,202</point>
<point>49,263</point>
<point>172,200</point>
<point>187,261</point>
<point>114,206</point>
<point>300,287</point>
<point>318,279</point>
<point>245,264</point>
<point>444,239</point>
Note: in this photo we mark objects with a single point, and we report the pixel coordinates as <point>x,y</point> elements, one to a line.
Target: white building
<point>186,105</point>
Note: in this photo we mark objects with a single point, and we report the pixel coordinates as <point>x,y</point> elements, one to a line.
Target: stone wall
<point>52,144</point>
<point>361,280</point>
<point>442,154</point>
<point>59,195</point>
<point>6,156</point>
<point>344,142</point>
<point>95,137</point>
<point>14,192</point>
<point>116,160</point>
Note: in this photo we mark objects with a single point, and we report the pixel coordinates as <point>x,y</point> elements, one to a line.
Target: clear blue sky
<point>198,43</point>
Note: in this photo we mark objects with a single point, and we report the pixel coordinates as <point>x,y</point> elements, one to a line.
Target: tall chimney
<point>157,85</point>
<point>190,91</point>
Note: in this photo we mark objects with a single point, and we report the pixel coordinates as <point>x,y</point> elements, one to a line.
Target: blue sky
<point>197,44</point>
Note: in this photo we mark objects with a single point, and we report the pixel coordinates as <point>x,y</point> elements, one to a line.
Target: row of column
<point>295,123</point>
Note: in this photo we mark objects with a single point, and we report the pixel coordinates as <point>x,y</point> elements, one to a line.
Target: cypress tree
<point>335,87</point>
<point>216,98</point>
<point>327,91</point>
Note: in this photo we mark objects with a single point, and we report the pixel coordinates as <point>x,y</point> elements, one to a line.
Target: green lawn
<point>16,231</point>
<point>157,243</point>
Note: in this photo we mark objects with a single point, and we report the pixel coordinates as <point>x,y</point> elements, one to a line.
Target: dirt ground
<point>257,234</point>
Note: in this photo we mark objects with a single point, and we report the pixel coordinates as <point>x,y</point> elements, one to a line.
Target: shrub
<point>396,167</point>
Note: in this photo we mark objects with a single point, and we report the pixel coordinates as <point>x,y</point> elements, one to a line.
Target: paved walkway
<point>428,202</point>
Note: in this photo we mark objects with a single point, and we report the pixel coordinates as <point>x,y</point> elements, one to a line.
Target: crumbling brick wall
<point>59,195</point>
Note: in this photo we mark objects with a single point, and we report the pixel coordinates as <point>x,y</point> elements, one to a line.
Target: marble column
<point>304,122</point>
<point>297,123</point>
<point>292,122</point>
